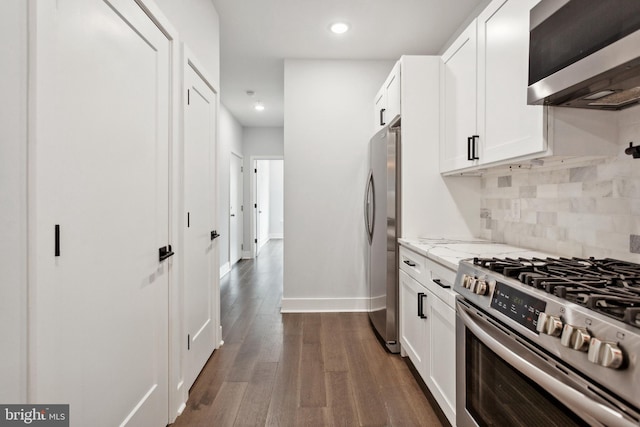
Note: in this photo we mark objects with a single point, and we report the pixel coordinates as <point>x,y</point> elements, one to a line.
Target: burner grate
<point>607,286</point>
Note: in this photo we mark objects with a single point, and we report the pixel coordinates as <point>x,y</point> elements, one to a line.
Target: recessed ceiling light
<point>258,106</point>
<point>339,28</point>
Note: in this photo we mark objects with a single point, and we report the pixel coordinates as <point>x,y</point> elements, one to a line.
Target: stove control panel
<point>550,325</point>
<point>525,309</point>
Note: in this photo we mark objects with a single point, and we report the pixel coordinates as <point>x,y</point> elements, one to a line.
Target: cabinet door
<point>507,126</point>
<point>458,98</point>
<point>412,326</point>
<point>380,104</point>
<point>442,355</point>
<point>392,89</point>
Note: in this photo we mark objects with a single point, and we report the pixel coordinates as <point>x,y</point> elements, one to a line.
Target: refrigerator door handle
<point>370,206</point>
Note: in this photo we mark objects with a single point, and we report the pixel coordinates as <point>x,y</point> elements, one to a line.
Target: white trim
<point>276,236</point>
<point>224,269</point>
<point>247,255</point>
<point>313,305</point>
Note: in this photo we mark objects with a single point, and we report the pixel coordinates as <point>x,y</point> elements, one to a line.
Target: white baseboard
<point>276,236</point>
<point>315,305</point>
<point>224,269</point>
<point>247,255</point>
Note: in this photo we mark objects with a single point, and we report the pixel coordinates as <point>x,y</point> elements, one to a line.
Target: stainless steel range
<point>548,342</point>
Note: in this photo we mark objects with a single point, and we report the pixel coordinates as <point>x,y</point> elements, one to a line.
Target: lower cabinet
<point>427,337</point>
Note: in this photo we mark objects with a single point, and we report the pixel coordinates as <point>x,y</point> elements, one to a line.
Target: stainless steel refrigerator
<point>382,222</point>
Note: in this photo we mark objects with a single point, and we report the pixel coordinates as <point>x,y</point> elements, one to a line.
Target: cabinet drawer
<point>414,265</point>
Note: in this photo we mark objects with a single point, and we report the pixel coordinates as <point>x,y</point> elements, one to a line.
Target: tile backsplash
<point>578,207</point>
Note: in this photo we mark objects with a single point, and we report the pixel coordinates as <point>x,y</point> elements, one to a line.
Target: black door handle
<point>469,139</point>
<point>409,263</point>
<point>421,314</point>
<point>214,234</point>
<point>165,252</point>
<point>382,110</point>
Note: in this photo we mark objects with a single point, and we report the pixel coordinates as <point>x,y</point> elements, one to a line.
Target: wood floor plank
<point>311,377</point>
<point>255,404</point>
<point>224,409</point>
<point>284,399</point>
<point>333,345</point>
<point>340,399</point>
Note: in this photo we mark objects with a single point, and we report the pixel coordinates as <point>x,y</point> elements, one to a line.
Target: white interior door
<point>199,196</point>
<point>235,210</point>
<point>262,203</point>
<point>100,328</point>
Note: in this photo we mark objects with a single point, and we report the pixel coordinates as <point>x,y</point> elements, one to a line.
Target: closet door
<point>100,197</point>
<point>200,277</point>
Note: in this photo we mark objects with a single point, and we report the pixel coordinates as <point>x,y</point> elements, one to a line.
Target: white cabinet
<point>427,325</point>
<point>507,126</point>
<point>485,116</point>
<point>458,97</point>
<point>413,332</point>
<point>485,120</point>
<point>387,100</point>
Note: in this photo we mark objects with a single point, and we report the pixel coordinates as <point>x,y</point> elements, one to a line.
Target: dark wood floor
<point>316,369</point>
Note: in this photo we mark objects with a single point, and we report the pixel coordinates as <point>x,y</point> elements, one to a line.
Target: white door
<point>235,209</point>
<point>262,203</point>
<point>199,196</point>
<point>100,322</point>
<point>458,101</point>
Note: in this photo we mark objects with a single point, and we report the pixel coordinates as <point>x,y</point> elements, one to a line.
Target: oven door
<point>502,380</point>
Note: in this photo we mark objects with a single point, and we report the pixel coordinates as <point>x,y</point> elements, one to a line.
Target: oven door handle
<point>566,394</point>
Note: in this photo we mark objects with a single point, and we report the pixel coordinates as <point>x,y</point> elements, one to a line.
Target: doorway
<point>268,207</point>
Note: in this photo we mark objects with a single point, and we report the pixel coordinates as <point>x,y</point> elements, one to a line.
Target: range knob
<point>605,353</point>
<point>481,287</point>
<point>575,337</point>
<point>466,281</point>
<point>550,325</point>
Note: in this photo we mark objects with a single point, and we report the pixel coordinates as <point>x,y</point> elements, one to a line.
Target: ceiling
<point>257,35</point>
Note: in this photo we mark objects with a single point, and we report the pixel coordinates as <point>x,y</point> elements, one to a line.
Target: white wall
<point>198,27</point>
<point>13,200</point>
<point>258,142</point>
<point>229,141</point>
<point>328,124</point>
<point>276,199</point>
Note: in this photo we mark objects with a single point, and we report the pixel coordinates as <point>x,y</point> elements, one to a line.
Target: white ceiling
<point>257,35</point>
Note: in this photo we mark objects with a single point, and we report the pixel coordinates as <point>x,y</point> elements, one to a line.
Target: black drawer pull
<point>409,263</point>
<point>439,283</point>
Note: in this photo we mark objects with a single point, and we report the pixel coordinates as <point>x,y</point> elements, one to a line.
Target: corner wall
<point>328,124</point>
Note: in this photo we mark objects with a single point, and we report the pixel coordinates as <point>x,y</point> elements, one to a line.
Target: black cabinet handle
<point>474,139</point>
<point>469,149</point>
<point>409,263</point>
<point>442,285</point>
<point>214,234</point>
<point>57,237</point>
<point>165,252</point>
<point>382,110</point>
<point>421,314</point>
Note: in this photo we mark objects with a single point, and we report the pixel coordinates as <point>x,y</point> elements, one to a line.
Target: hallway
<point>314,369</point>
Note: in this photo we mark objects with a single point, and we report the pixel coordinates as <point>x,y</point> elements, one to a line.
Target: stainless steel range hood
<point>585,54</point>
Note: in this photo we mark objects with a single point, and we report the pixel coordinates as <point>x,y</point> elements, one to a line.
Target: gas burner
<point>607,286</point>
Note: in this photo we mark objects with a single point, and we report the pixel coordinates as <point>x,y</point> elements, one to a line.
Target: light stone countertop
<point>449,252</point>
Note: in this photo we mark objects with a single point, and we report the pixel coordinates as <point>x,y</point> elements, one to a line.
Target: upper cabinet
<point>507,126</point>
<point>387,100</point>
<point>485,116</point>
<point>458,99</point>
